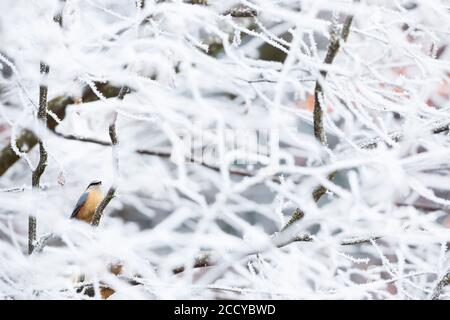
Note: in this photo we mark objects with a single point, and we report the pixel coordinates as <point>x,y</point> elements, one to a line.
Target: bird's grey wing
<point>79,204</point>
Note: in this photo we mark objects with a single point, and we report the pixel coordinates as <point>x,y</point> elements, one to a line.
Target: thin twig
<point>423,206</point>
<point>203,260</point>
<point>317,194</point>
<point>207,259</point>
<point>301,238</point>
<point>444,281</point>
<point>242,12</point>
<point>42,242</point>
<point>434,128</point>
<point>82,139</point>
<point>297,215</point>
<point>358,240</point>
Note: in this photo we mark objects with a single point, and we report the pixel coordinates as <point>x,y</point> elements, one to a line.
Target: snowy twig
<point>300,238</point>
<point>309,238</point>
<point>297,215</point>
<point>423,206</point>
<point>83,139</point>
<point>101,207</point>
<point>242,12</point>
<point>42,186</point>
<point>88,288</point>
<point>15,189</point>
<point>42,242</point>
<point>203,260</point>
<point>42,164</point>
<point>114,141</point>
<point>444,281</point>
<point>206,260</point>
<point>276,242</point>
<point>333,48</point>
<point>435,128</point>
<point>319,130</point>
<point>317,194</point>
<point>42,118</point>
<point>358,240</point>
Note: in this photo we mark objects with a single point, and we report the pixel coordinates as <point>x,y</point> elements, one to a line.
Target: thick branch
<point>24,142</point>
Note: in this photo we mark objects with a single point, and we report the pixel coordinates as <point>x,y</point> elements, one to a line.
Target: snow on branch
<point>115,159</point>
<point>444,281</point>
<point>27,139</point>
<point>43,156</point>
<point>333,49</point>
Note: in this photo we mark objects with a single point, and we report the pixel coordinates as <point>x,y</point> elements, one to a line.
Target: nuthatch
<point>88,202</point>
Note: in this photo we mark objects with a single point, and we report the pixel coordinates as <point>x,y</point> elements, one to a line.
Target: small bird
<point>88,202</point>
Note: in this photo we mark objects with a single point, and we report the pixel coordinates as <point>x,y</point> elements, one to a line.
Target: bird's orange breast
<point>87,211</point>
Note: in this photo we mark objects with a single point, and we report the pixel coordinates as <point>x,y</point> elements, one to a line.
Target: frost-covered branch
<point>317,194</point>
<point>278,240</point>
<point>27,139</point>
<point>42,242</point>
<point>443,282</point>
<point>203,260</point>
<point>242,12</point>
<point>297,215</point>
<point>101,207</point>
<point>115,159</point>
<point>319,130</point>
<point>42,118</point>
<point>358,240</point>
<point>436,127</point>
<point>240,112</point>
<point>42,164</point>
<point>333,49</point>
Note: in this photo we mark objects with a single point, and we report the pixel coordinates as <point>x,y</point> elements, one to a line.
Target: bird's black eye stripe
<point>94,183</point>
